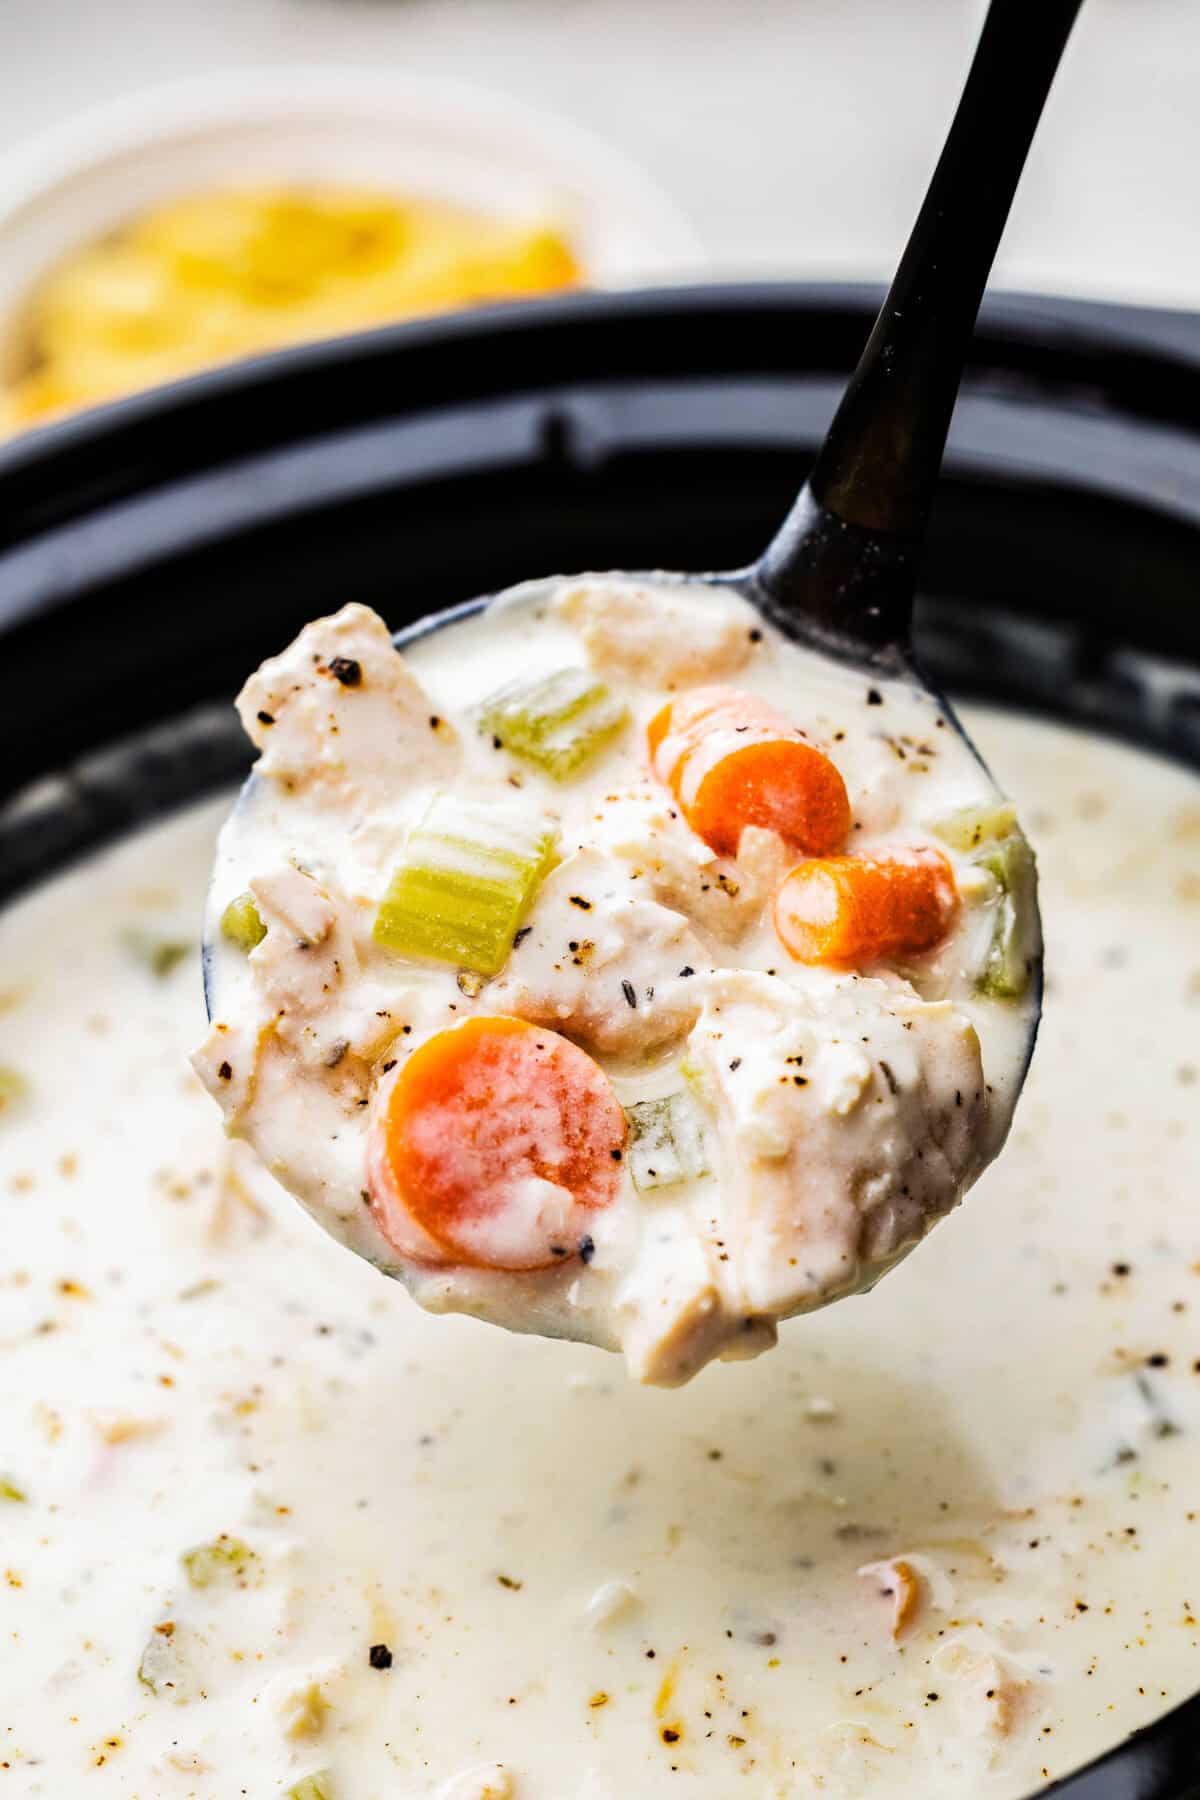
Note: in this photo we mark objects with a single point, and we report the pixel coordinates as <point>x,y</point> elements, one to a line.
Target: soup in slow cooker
<point>267,1527</point>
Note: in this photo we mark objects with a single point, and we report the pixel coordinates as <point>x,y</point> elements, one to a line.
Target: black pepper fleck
<point>266,718</point>
<point>379,1656</point>
<point>346,670</point>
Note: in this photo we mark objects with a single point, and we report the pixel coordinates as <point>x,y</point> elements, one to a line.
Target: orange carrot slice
<point>731,760</point>
<point>491,1146</point>
<point>848,911</point>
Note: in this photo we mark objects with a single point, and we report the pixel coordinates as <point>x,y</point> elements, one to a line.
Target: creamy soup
<point>268,1528</point>
<point>610,967</point>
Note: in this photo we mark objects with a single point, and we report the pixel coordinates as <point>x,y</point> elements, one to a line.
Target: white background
<point>796,134</point>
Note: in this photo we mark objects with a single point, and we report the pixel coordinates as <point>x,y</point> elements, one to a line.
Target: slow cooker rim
<point>1143,361</point>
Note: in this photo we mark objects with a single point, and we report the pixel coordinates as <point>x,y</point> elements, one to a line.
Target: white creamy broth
<point>589,1590</point>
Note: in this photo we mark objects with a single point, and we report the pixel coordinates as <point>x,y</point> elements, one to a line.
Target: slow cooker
<point>153,551</point>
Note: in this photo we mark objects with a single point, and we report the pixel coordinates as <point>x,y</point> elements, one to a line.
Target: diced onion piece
<point>558,723</point>
<point>666,1142</point>
<point>224,1559</point>
<point>468,875</point>
<point>241,923</point>
<point>159,1665</point>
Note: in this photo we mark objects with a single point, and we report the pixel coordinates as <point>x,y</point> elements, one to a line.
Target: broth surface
<point>590,1591</point>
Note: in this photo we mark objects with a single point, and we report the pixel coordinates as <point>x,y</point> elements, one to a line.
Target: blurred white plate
<point>444,140</point>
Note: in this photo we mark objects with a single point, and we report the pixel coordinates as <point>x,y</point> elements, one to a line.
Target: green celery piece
<point>241,923</point>
<point>1005,973</point>
<point>666,1142</point>
<point>13,1088</point>
<point>225,1559</point>
<point>313,1787</point>
<point>994,841</point>
<point>974,826</point>
<point>468,876</point>
<point>156,953</point>
<point>9,1490</point>
<point>558,723</point>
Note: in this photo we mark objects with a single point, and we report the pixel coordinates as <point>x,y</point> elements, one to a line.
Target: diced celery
<point>468,876</point>
<point>313,1787</point>
<point>241,923</point>
<point>156,953</point>
<point>1006,970</point>
<point>974,826</point>
<point>666,1142</point>
<point>10,1490</point>
<point>226,1559</point>
<point>558,723</point>
<point>13,1087</point>
<point>993,840</point>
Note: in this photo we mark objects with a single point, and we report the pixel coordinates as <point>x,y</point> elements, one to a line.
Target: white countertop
<point>797,135</point>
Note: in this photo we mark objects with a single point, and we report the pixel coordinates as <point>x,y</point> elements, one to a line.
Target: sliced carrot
<point>492,1145</point>
<point>678,727</point>
<point>684,717</point>
<point>849,911</point>
<point>731,760</point>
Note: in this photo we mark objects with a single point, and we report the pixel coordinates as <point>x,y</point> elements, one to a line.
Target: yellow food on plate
<point>214,276</point>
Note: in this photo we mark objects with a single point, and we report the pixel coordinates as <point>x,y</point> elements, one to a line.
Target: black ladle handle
<point>843,567</point>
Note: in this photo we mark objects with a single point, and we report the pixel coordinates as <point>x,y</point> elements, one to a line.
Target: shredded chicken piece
<point>663,636</point>
<point>340,710</point>
<point>722,896</point>
<point>602,964</point>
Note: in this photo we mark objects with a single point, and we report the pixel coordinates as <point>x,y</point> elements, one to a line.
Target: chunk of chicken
<point>340,710</point>
<point>602,964</point>
<point>722,896</point>
<point>662,636</point>
<point>850,1118</point>
<point>296,1067</point>
<point>674,1313</point>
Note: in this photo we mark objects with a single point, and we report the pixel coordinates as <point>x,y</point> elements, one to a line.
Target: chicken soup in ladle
<point>607,965</point>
